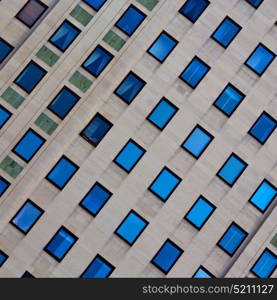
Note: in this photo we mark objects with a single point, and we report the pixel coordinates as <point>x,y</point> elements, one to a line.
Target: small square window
<point>129,156</point>
<point>60,244</point>
<point>232,169</point>
<point>131,227</point>
<point>3,257</point>
<point>162,46</point>
<point>28,145</point>
<point>95,199</point>
<point>5,50</point>
<point>260,59</point>
<point>229,100</point>
<point>4,184</point>
<point>203,273</point>
<point>95,4</point>
<point>226,32</point>
<point>164,184</point>
<point>163,112</point>
<point>193,9</point>
<point>4,116</point>
<point>197,141</point>
<point>130,20</point>
<point>194,72</point>
<point>63,102</point>
<point>255,3</point>
<point>98,268</point>
<point>31,12</point>
<point>30,77</point>
<point>167,256</point>
<point>200,212</point>
<point>64,35</point>
<point>232,239</point>
<point>263,196</point>
<point>62,172</point>
<point>266,264</point>
<point>27,216</point>
<point>130,87</point>
<point>97,61</point>
<point>96,129</point>
<point>263,128</point>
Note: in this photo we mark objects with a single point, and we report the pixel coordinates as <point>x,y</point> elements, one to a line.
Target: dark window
<point>265,265</point>
<point>193,9</point>
<point>4,184</point>
<point>98,268</point>
<point>202,273</point>
<point>255,3</point>
<point>27,274</point>
<point>3,257</point>
<point>4,116</point>
<point>5,50</point>
<point>95,4</point>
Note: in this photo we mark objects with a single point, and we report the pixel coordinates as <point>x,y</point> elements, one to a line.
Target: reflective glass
<point>4,116</point>
<point>193,9</point>
<point>265,265</point>
<point>5,50</point>
<point>99,268</point>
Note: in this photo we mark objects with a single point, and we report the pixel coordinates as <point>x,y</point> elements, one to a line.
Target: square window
<point>95,4</point>
<point>97,61</point>
<point>5,50</point>
<point>27,216</point>
<point>30,77</point>
<point>28,145</point>
<point>266,264</point>
<point>232,239</point>
<point>167,256</point>
<point>131,227</point>
<point>193,9</point>
<point>164,184</point>
<point>95,199</point>
<point>226,32</point>
<point>60,244</point>
<point>98,268</point>
<point>130,20</point>
<point>130,87</point>
<point>197,141</point>
<point>229,100</point>
<point>31,12</point>
<point>3,257</point>
<point>263,196</point>
<point>162,46</point>
<point>63,102</point>
<point>263,128</point>
<point>232,169</point>
<point>4,116</point>
<point>203,273</point>
<point>96,129</point>
<point>64,35</point>
<point>260,59</point>
<point>4,184</point>
<point>194,72</point>
<point>200,212</point>
<point>129,156</point>
<point>62,172</point>
<point>163,112</point>
<point>255,3</point>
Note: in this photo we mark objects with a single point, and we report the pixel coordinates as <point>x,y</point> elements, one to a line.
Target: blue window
<point>232,239</point>
<point>63,102</point>
<point>4,184</point>
<point>263,196</point>
<point>197,141</point>
<point>194,72</point>
<point>263,128</point>
<point>162,46</point>
<point>30,77</point>
<point>232,169</point>
<point>131,227</point>
<point>130,20</point>
<point>97,61</point>
<point>95,4</point>
<point>29,145</point>
<point>60,243</point>
<point>163,112</point>
<point>5,50</point>
<point>64,36</point>
<point>167,256</point>
<point>202,273</point>
<point>130,87</point>
<point>96,129</point>
<point>200,212</point>
<point>4,116</point>
<point>266,264</point>
<point>95,199</point>
<point>3,257</point>
<point>129,156</point>
<point>260,59</point>
<point>98,268</point>
<point>164,184</point>
<point>226,32</point>
<point>27,216</point>
<point>255,3</point>
<point>193,9</point>
<point>229,100</point>
<point>62,172</point>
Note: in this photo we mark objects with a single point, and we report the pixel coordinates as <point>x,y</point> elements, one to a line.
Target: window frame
<point>5,256</point>
<point>205,270</point>
<point>193,21</point>
<point>253,272</point>
<point>5,181</point>
<point>9,45</point>
<point>251,4</point>
<point>8,112</point>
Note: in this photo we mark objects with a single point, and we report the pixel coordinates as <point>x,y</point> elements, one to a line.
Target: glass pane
<point>201,273</point>
<point>265,265</point>
<point>95,4</point>
<point>3,257</point>
<point>255,3</point>
<point>5,50</point>
<point>99,268</point>
<point>192,9</point>
<point>4,116</point>
<point>4,184</point>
